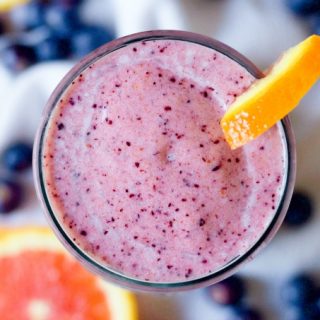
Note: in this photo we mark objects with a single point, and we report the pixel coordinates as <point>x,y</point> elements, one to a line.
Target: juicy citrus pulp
<point>271,98</point>
<point>41,281</point>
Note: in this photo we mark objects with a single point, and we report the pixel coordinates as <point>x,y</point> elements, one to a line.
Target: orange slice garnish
<point>271,98</point>
<point>41,281</point>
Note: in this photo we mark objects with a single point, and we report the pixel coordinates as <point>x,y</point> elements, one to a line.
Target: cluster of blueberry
<point>300,294</point>
<point>15,159</point>
<point>44,30</point>
<point>308,9</point>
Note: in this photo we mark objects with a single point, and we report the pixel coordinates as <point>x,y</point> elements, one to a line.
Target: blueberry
<point>316,303</point>
<point>17,157</point>
<point>300,209</point>
<point>317,299</point>
<point>227,292</point>
<point>307,312</point>
<point>68,3</point>
<point>2,27</point>
<point>53,48</point>
<point>18,57</point>
<point>303,7</point>
<point>246,313</point>
<point>89,38</point>
<point>62,20</point>
<point>315,23</point>
<point>299,290</point>
<point>10,195</point>
<point>28,16</point>
<point>311,312</point>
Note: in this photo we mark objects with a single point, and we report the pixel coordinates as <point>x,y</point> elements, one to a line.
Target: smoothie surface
<point>137,170</point>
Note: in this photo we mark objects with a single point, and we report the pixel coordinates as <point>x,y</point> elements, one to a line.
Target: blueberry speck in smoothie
<point>216,168</point>
<point>204,93</point>
<point>60,126</point>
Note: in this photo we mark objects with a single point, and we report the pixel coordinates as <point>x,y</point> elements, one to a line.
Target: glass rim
<point>108,273</point>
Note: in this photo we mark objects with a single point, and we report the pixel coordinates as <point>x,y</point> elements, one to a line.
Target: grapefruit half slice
<point>41,281</point>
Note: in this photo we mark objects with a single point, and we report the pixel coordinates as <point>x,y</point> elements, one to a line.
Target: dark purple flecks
<point>201,143</point>
<point>83,232</point>
<point>162,49</point>
<point>216,168</point>
<point>204,93</point>
<point>188,273</point>
<point>71,101</point>
<point>60,126</point>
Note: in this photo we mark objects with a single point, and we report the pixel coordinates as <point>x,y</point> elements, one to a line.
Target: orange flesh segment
<point>41,281</point>
<point>271,98</point>
<point>53,281</point>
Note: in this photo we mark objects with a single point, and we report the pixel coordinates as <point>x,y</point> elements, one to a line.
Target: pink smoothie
<point>138,172</point>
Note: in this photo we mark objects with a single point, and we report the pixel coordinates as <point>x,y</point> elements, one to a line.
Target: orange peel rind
<point>271,98</point>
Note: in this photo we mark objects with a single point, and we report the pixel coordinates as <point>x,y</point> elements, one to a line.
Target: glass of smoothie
<point>135,175</point>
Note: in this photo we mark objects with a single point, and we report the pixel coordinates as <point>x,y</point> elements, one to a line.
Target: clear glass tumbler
<point>90,262</point>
